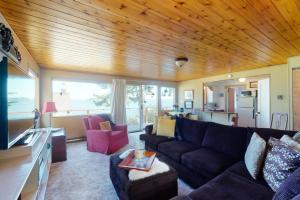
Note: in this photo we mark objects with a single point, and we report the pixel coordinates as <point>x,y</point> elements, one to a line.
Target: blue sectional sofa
<point>210,157</point>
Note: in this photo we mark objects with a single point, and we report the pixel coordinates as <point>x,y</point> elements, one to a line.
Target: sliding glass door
<point>133,107</point>
<point>141,106</point>
<point>150,103</point>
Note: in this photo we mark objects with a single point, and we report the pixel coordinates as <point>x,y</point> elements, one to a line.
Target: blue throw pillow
<point>289,188</point>
<point>281,161</point>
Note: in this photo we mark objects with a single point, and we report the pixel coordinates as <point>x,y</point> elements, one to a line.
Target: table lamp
<point>49,107</point>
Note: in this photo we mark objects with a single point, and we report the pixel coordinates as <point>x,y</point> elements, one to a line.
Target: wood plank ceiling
<point>141,38</point>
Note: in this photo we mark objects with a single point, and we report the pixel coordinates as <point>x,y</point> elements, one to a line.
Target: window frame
<point>88,111</point>
<point>174,98</point>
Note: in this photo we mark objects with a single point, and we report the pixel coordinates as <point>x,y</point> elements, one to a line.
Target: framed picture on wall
<point>188,104</point>
<point>253,84</point>
<point>189,94</point>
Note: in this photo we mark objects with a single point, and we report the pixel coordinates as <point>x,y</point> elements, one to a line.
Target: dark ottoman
<point>159,187</point>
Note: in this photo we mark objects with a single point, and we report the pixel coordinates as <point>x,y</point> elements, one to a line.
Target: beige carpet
<point>85,176</point>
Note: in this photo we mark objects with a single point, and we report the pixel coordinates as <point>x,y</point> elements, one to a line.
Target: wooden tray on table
<point>143,164</point>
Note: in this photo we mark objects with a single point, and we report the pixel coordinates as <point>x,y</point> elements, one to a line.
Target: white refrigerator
<point>247,106</point>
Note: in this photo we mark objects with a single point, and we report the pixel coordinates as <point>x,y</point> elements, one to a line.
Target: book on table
<point>144,163</point>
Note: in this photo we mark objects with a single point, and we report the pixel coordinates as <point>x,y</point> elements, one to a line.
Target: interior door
<point>296,99</point>
<point>133,107</point>
<point>231,99</point>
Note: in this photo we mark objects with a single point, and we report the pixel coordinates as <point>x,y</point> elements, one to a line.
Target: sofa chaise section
<point>210,157</point>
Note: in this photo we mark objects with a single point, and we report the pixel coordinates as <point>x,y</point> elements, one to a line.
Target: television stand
<point>25,169</point>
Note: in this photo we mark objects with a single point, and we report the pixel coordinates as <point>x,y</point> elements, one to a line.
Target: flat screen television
<point>17,102</point>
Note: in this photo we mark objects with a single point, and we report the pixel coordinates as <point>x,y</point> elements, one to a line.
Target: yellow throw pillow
<point>154,130</point>
<point>105,125</point>
<point>166,127</point>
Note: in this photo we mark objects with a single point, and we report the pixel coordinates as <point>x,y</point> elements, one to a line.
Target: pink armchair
<point>104,141</point>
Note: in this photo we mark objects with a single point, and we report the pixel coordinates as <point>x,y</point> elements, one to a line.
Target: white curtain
<point>118,101</point>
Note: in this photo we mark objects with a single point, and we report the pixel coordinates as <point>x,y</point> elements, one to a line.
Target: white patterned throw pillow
<point>255,154</point>
<point>281,161</point>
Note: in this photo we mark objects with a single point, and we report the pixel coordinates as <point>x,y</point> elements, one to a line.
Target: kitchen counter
<point>221,112</point>
<point>221,117</point>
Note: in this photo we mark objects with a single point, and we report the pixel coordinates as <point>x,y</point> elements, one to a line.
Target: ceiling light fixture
<point>181,61</point>
<point>242,80</point>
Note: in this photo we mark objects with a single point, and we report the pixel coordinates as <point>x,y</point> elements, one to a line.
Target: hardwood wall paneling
<point>141,38</point>
<point>296,99</point>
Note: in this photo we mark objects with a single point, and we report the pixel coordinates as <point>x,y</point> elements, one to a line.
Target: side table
<point>59,146</point>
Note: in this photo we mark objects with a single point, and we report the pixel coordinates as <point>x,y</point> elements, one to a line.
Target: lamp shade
<point>49,107</point>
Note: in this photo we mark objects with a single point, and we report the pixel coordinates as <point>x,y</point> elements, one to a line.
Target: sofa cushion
<point>191,130</point>
<point>190,177</point>
<point>175,149</point>
<point>206,162</point>
<point>226,139</point>
<point>233,187</point>
<point>153,141</point>
<point>240,169</point>
<point>289,188</point>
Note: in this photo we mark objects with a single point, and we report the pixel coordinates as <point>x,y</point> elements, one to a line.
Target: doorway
<point>233,94</point>
<point>141,106</point>
<point>296,99</point>
<point>248,98</point>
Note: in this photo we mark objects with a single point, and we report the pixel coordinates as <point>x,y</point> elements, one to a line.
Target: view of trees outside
<point>150,103</point>
<point>133,111</point>
<point>81,98</point>
<point>167,98</point>
<point>148,96</point>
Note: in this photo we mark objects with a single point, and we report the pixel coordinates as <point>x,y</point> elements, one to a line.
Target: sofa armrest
<point>148,129</point>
